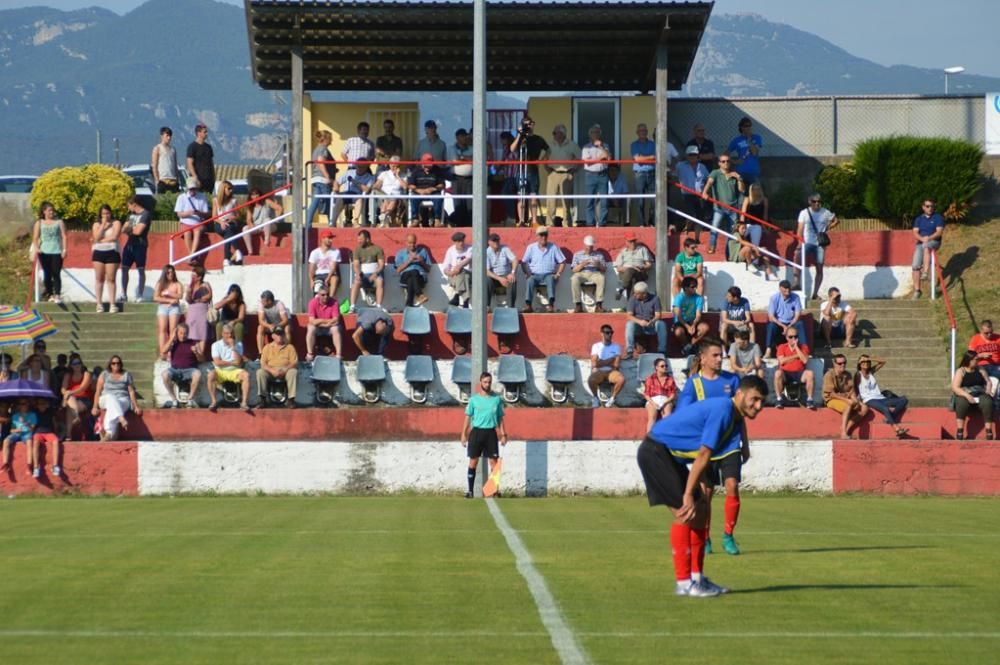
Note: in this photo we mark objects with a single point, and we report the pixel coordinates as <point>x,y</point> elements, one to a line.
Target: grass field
<point>432,580</point>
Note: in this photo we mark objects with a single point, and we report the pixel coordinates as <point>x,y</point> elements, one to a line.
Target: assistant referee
<point>483,421</point>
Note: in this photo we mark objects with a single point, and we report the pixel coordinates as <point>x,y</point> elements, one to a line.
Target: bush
<point>164,207</point>
<point>897,173</point>
<point>78,192</point>
<point>838,185</point>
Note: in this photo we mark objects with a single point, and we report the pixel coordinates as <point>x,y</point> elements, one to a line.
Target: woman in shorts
<point>260,213</point>
<point>77,393</point>
<point>167,295</point>
<point>105,256</point>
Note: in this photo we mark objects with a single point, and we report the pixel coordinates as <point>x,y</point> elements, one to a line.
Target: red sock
<point>732,513</point>
<point>698,538</point>
<point>680,544</point>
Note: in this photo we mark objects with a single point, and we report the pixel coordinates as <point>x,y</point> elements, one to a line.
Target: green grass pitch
<point>431,580</point>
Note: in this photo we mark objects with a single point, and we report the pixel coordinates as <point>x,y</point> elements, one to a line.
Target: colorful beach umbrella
<point>20,326</point>
<point>22,388</point>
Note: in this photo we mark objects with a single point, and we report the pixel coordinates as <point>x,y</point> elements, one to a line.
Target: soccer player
<point>710,380</point>
<point>710,430</point>
<point>484,414</point>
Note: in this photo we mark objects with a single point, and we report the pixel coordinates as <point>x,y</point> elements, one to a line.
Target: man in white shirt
<point>814,220</point>
<point>358,148</point>
<point>457,268</point>
<point>596,175</point>
<point>324,263</point>
<point>227,367</point>
<point>192,209</point>
<point>837,319</point>
<point>605,359</point>
<point>461,184</point>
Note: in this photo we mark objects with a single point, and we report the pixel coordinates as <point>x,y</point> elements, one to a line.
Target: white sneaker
<point>56,470</point>
<point>712,585</point>
<point>610,402</point>
<point>137,299</point>
<point>697,590</point>
<point>238,256</point>
<point>37,472</point>
<point>225,262</point>
<point>352,310</point>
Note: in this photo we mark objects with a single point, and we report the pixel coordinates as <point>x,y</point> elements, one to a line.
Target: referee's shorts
<point>483,442</point>
<point>665,477</point>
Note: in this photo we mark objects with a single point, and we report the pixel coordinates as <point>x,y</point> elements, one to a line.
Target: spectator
<point>227,367</point>
<point>412,264</point>
<point>35,371</point>
<point>744,355</point>
<point>58,372</point>
<point>508,171</point>
<point>324,263</point>
<point>182,352</point>
<point>735,316</point>
<point>689,329</point>
<point>23,421</point>
<point>192,209</point>
<point>431,144</point>
<point>928,228</point>
<point>77,392</point>
<point>529,147</point>
<point>605,363</point>
<point>723,186</point>
<point>745,148</point>
<point>460,154</point>
<point>457,268</point>
<point>358,149</point>
<point>38,348</point>
<point>617,188</point>
<point>232,311</point>
<point>784,312</point>
<point>388,145</point>
<point>643,153</point>
<point>660,392</point>
<point>890,406</point>
<point>163,163</point>
<point>705,146</point>
<point>105,257</point>
<point>199,299</point>
<point>226,222</point>
<point>374,331</point>
<point>48,242</point>
<point>501,270</point>
<point>136,230</point>
<point>260,214</point>
<point>271,313</point>
<point>559,181</point>
<point>323,174</point>
<point>279,360</point>
<point>324,320</point>
<point>362,186</point>
<point>167,295</point>
<point>596,154</point>
<point>201,161</point>
<point>755,207</point>
<point>644,316</point>
<point>45,432</point>
<point>971,389</point>
<point>369,268</point>
<point>115,396</point>
<point>840,395</point>
<point>392,184</point>
<point>632,264</point>
<point>426,181</point>
<point>792,360</point>
<point>813,221</point>
<point>693,175</point>
<point>689,263</point>
<point>543,263</point>
<point>588,267</point>
<point>837,319</point>
<point>987,347</point>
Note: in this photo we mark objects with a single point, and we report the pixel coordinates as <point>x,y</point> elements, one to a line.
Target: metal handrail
<point>760,221</point>
<point>243,234</point>
<point>936,268</point>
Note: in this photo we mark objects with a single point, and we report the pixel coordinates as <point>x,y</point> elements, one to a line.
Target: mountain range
<point>65,76</point>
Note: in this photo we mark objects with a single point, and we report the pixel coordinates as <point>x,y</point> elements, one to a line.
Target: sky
<point>934,35</point>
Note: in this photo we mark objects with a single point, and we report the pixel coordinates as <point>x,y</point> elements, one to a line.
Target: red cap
<point>427,157</point>
<point>630,235</point>
<point>326,233</point>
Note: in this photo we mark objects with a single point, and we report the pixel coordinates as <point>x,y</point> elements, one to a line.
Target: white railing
<point>244,234</point>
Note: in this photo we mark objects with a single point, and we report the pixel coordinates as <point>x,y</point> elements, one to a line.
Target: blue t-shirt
<point>714,423</point>
<point>403,254</point>
<point>699,388</point>
<point>645,148</point>
<point>689,306</point>
<point>928,225</point>
<point>750,165</point>
<point>738,311</point>
<point>23,422</point>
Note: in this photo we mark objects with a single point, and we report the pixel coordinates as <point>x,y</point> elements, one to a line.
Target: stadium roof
<point>555,46</point>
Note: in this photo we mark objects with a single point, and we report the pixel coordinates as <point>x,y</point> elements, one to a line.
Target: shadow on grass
<point>839,587</point>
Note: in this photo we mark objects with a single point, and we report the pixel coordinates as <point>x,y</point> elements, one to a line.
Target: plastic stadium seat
<point>416,321</point>
<point>513,374</point>
<point>419,372</point>
<point>506,321</point>
<point>461,375</point>
<point>326,375</point>
<point>647,365</point>
<point>371,374</point>
<point>560,372</point>
<point>458,321</point>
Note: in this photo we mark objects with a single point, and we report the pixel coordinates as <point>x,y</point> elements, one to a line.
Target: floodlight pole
<point>662,174</point>
<point>479,191</point>
<point>296,179</point>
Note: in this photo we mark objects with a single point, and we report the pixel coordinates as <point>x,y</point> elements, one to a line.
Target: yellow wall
<point>342,118</point>
<point>547,112</point>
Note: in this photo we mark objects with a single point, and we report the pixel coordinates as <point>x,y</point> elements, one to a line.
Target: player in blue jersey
<point>703,432</point>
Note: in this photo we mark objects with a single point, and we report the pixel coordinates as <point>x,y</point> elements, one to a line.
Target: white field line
<point>569,650</point>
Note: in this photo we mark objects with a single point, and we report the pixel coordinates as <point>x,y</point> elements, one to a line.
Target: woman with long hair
<point>77,392</point>
<point>756,207</point>
<point>115,395</point>
<point>891,407</point>
<point>260,213</point>
<point>105,256</point>
<point>322,177</point>
<point>232,310</point>
<point>35,370</point>
<point>226,222</point>
<point>660,391</point>
<point>199,298</point>
<point>970,389</point>
<point>167,295</point>
<point>48,243</point>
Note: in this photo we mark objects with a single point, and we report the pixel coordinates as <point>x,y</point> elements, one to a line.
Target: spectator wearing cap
<point>374,331</point>
<point>163,163</point>
<point>270,314</point>
<point>457,268</point>
<point>501,270</point>
<point>543,263</point>
<point>529,147</point>
<point>431,144</point>
<point>596,175</point>
<point>784,314</point>
<point>692,174</point>
<point>632,264</point>
<point>192,209</point>
<point>412,263</point>
<point>426,180</point>
<point>358,148</point>
<point>460,154</point>
<point>324,321</point>
<point>324,263</point>
<point>559,181</point>
<point>644,315</point>
<point>279,360</point>
<point>201,161</point>
<point>588,267</point>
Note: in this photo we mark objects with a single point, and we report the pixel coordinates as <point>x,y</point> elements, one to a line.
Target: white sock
<point>696,577</point>
<point>683,584</point>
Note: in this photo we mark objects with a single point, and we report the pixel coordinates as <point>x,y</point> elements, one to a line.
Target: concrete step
<point>899,303</point>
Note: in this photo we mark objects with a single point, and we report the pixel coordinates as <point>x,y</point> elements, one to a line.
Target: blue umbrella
<point>20,388</point>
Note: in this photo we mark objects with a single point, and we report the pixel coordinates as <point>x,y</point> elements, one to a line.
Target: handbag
<point>213,315</point>
<point>822,237</point>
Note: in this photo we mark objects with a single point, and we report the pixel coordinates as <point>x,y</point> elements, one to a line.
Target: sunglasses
<point>659,365</point>
<point>607,332</point>
<point>840,362</point>
<point>723,161</point>
<point>792,337</point>
<point>815,201</point>
<point>116,362</point>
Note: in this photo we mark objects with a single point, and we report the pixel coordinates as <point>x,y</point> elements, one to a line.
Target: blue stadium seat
<point>371,374</point>
<point>513,374</point>
<point>419,372</point>
<point>560,372</point>
<point>506,321</point>
<point>326,374</point>
<point>647,365</point>
<point>458,321</point>
<point>416,321</point>
<point>461,375</point>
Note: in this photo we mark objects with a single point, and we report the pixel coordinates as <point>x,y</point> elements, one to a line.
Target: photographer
<point>529,147</point>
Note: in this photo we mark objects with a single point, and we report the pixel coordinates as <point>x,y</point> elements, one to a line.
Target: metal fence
<point>826,126</point>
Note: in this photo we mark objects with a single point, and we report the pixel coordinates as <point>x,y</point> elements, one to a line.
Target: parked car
<point>17,184</point>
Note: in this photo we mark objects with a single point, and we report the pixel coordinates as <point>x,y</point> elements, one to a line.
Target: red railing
<point>249,202</point>
<point>760,221</point>
<point>947,304</point>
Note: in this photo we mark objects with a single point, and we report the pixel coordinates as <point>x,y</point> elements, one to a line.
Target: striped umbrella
<point>20,326</point>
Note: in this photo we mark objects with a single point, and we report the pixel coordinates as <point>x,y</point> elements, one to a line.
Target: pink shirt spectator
<point>331,310</point>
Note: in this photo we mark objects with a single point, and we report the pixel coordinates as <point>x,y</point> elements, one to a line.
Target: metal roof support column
<point>297,172</point>
<point>480,348</point>
<point>662,185</point>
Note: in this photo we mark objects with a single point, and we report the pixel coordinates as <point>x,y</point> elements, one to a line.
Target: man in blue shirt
<point>692,174</point>
<point>784,311</point>
<point>928,227</point>
<point>543,263</point>
<point>745,149</point>
<point>483,420</point>
<point>708,430</point>
<point>412,263</point>
<point>643,153</point>
<point>689,329</point>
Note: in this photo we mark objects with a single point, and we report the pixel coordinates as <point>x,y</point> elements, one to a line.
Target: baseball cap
<point>588,241</point>
<point>327,233</point>
<point>427,157</point>
<point>542,231</point>
<point>691,150</point>
<point>457,235</point>
<point>495,237</point>
<point>630,235</point>
<point>192,183</point>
